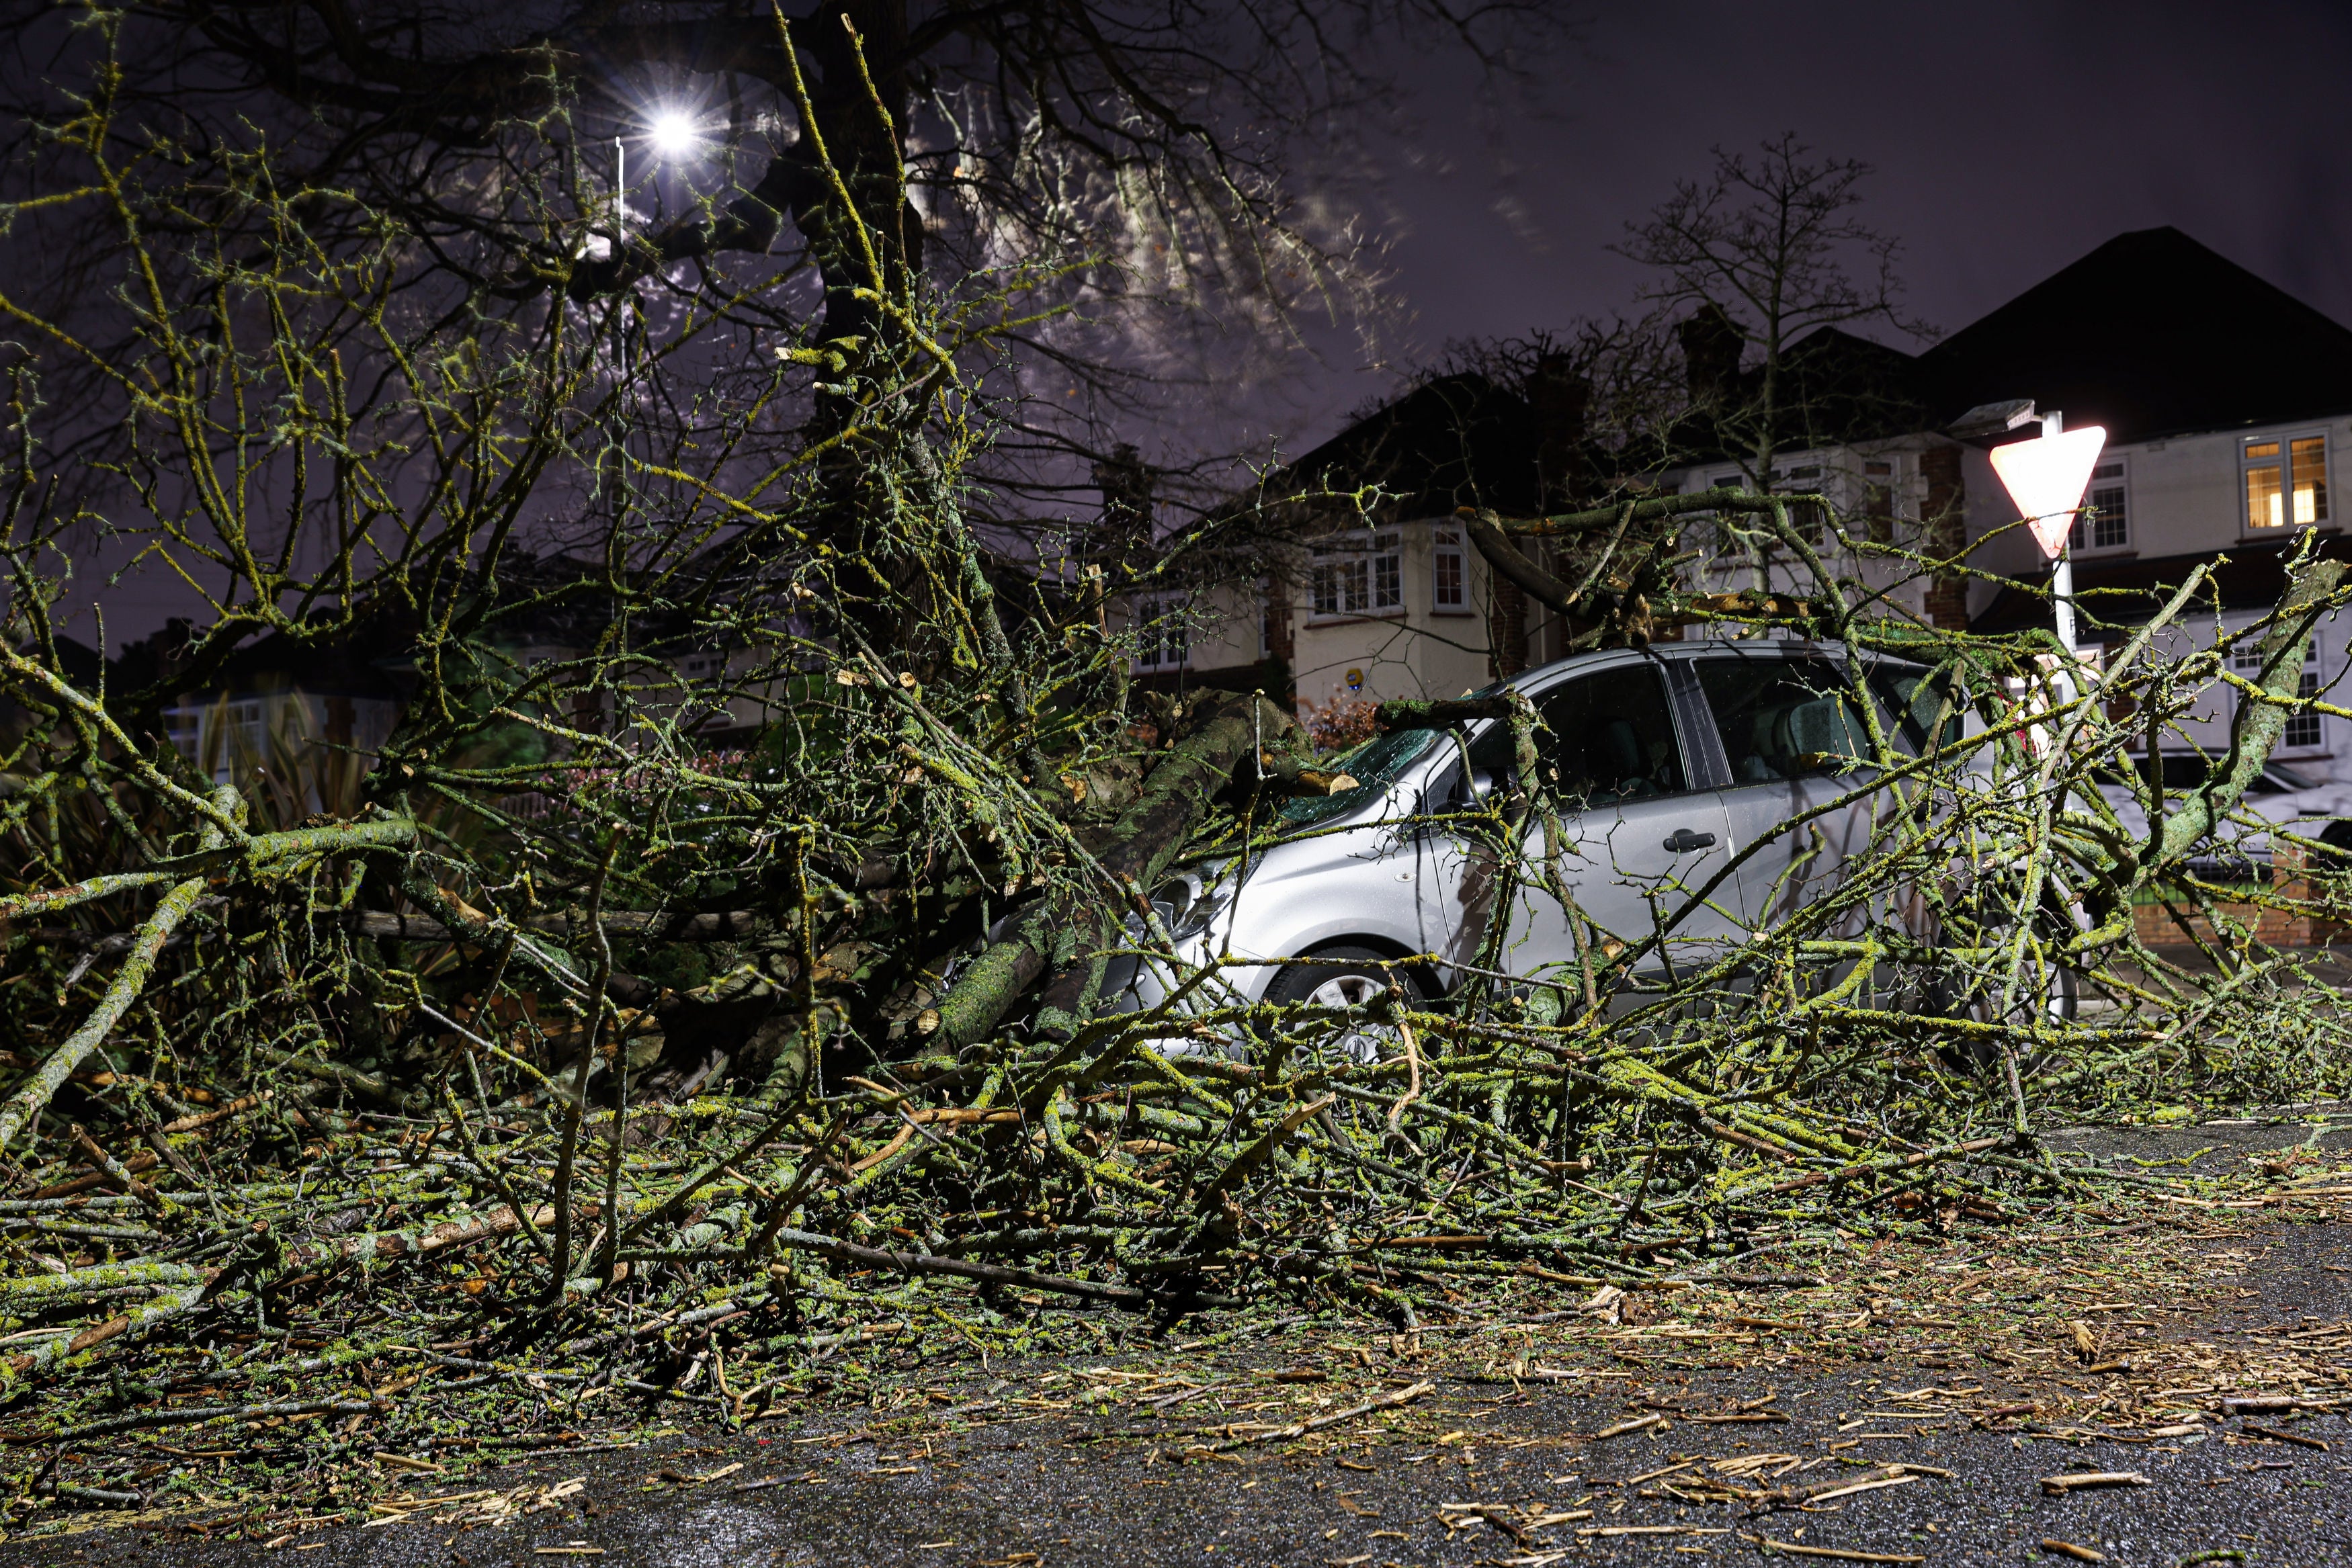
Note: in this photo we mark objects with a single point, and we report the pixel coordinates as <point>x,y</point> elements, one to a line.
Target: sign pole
<point>2062,572</point>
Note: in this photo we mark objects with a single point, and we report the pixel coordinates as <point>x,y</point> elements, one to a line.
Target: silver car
<point>2281,795</point>
<point>1667,761</point>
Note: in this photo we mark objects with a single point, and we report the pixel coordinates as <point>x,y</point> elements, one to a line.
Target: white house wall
<point>1414,651</point>
<point>2184,496</point>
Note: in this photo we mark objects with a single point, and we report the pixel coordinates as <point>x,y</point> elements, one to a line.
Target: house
<point>308,716</point>
<point>2228,408</point>
<point>1367,586</point>
<point>2227,404</point>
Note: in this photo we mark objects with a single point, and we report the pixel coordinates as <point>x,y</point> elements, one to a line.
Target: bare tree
<point>1756,256</point>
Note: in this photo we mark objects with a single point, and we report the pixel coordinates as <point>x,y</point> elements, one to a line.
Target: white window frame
<point>1447,545</point>
<point>1882,496</point>
<point>1155,615</point>
<point>2307,727</point>
<point>2306,730</point>
<point>2282,461</point>
<point>1358,575</point>
<point>2082,538</point>
<point>236,728</point>
<point>1810,519</point>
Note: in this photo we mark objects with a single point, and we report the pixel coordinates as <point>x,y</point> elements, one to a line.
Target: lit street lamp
<point>673,134</point>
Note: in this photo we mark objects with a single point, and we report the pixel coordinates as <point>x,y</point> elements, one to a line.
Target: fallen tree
<point>557,1015</point>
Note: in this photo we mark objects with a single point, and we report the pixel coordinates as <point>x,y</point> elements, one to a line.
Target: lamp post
<point>673,134</point>
<point>2046,478</point>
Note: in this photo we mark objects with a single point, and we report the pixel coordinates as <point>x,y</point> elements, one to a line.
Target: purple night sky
<point>2008,138</point>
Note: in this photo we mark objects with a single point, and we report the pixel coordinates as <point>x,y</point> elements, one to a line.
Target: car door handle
<point>1683,841</point>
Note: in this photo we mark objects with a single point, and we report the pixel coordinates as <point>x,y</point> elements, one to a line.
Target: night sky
<point>2008,138</point>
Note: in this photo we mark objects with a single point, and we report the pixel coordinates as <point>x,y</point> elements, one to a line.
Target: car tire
<point>1347,977</point>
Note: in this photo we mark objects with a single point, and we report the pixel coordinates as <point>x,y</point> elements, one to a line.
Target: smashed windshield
<point>1374,766</point>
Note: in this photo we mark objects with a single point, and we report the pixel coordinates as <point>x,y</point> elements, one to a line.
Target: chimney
<point>1711,345</point>
<point>1126,485</point>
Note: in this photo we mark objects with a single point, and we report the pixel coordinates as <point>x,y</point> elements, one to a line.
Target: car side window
<point>1782,718</point>
<point>1601,739</point>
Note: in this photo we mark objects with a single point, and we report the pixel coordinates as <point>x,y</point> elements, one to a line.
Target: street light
<point>674,133</point>
<point>2046,478</point>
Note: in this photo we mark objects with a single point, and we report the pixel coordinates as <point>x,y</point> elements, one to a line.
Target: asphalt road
<point>991,1472</point>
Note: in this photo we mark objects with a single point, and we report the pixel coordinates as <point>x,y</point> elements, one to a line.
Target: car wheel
<point>1350,978</point>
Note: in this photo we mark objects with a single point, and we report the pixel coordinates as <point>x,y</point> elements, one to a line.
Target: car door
<point>1638,842</point>
<point>1792,744</point>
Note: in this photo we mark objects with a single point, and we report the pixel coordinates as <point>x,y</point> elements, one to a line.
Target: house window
<point>2104,523</point>
<point>2246,657</point>
<point>1360,574</point>
<point>698,668</point>
<point>2303,728</point>
<point>219,737</point>
<point>1449,571</point>
<point>1878,501</point>
<point>185,728</point>
<point>1805,516</point>
<point>2291,491</point>
<point>1162,630</point>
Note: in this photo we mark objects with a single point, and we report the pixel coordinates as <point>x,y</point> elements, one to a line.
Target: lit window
<point>2301,498</point>
<point>1162,630</point>
<point>1359,574</point>
<point>2104,523</point>
<point>2308,458</point>
<point>218,738</point>
<point>1449,570</point>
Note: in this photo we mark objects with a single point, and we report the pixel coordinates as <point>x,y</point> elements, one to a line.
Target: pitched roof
<point>1457,441</point>
<point>1835,387</point>
<point>2151,334</point>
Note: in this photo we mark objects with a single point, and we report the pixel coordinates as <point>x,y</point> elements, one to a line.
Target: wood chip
<point>1767,1545</point>
<point>1662,1529</point>
<point>2088,1478</point>
<point>1636,1425</point>
<point>2277,1437</point>
<point>1861,1485</point>
<point>2068,1549</point>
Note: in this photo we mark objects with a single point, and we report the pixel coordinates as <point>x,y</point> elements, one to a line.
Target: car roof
<point>1711,648</point>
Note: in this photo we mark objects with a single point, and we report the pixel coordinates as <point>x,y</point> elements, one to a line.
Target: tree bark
<point>1140,847</point>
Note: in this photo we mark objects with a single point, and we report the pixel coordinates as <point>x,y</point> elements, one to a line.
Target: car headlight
<point>1184,906</point>
<point>1206,906</point>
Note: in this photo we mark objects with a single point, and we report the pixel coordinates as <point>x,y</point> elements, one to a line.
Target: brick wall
<point>2158,927</point>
